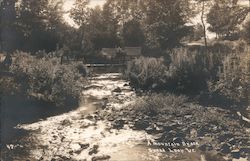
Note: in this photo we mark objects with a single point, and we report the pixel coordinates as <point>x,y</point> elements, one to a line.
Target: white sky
<point>68,4</point>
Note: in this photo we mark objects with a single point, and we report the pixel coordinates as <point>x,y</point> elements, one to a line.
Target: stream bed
<point>82,135</point>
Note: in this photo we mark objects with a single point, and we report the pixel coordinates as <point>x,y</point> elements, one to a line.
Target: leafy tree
<point>203,4</point>
<point>38,21</point>
<point>98,26</point>
<point>165,22</point>
<point>125,10</point>
<point>224,17</point>
<point>7,25</point>
<point>80,12</point>
<point>133,34</point>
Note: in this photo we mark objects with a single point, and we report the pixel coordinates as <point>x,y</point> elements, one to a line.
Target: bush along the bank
<point>155,104</point>
<point>234,78</point>
<point>219,75</point>
<point>47,80</point>
<point>188,71</point>
<point>146,73</point>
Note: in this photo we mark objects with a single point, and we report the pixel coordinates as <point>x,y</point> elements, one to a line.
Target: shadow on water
<point>18,110</point>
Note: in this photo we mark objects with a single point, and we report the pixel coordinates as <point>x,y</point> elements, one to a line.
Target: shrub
<point>195,72</point>
<point>187,72</point>
<point>234,79</point>
<point>46,79</point>
<point>154,104</point>
<point>146,73</point>
<point>190,70</point>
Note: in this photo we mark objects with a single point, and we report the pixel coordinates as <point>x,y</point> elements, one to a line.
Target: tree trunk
<point>204,25</point>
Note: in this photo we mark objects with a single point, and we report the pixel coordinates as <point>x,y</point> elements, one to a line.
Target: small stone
<point>141,124</point>
<point>98,158</point>
<point>89,117</point>
<point>232,141</point>
<point>71,152</point>
<point>244,151</point>
<point>84,146</point>
<point>193,133</point>
<point>94,150</point>
<point>154,86</point>
<point>118,124</point>
<point>206,147</point>
<point>149,130</point>
<point>225,137</point>
<point>177,140</point>
<point>117,90</point>
<point>65,122</point>
<point>225,148</point>
<point>235,154</point>
<point>168,128</point>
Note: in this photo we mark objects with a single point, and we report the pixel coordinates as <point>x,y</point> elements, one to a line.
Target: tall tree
<point>80,12</point>
<point>202,6</point>
<point>102,28</point>
<point>38,21</point>
<point>7,25</point>
<point>225,17</point>
<point>165,22</point>
<point>132,34</point>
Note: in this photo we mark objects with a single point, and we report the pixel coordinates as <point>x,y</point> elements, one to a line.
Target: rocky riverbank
<point>217,133</point>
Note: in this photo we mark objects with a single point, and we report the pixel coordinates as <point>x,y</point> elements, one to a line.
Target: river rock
<point>118,124</point>
<point>235,154</point>
<point>225,137</point>
<point>117,90</point>
<point>94,150</point>
<point>150,130</point>
<point>84,146</point>
<point>66,122</point>
<point>178,140</point>
<point>126,85</point>
<point>232,141</point>
<point>202,131</point>
<point>168,128</point>
<point>141,124</point>
<point>225,148</point>
<point>103,157</point>
<point>244,151</point>
<point>206,147</point>
<point>89,117</point>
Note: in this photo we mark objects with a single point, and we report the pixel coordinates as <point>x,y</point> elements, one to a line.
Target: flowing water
<point>73,135</point>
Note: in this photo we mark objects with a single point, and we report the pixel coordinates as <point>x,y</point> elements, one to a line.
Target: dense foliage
<point>234,79</point>
<point>194,72</point>
<point>46,79</point>
<point>224,18</point>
